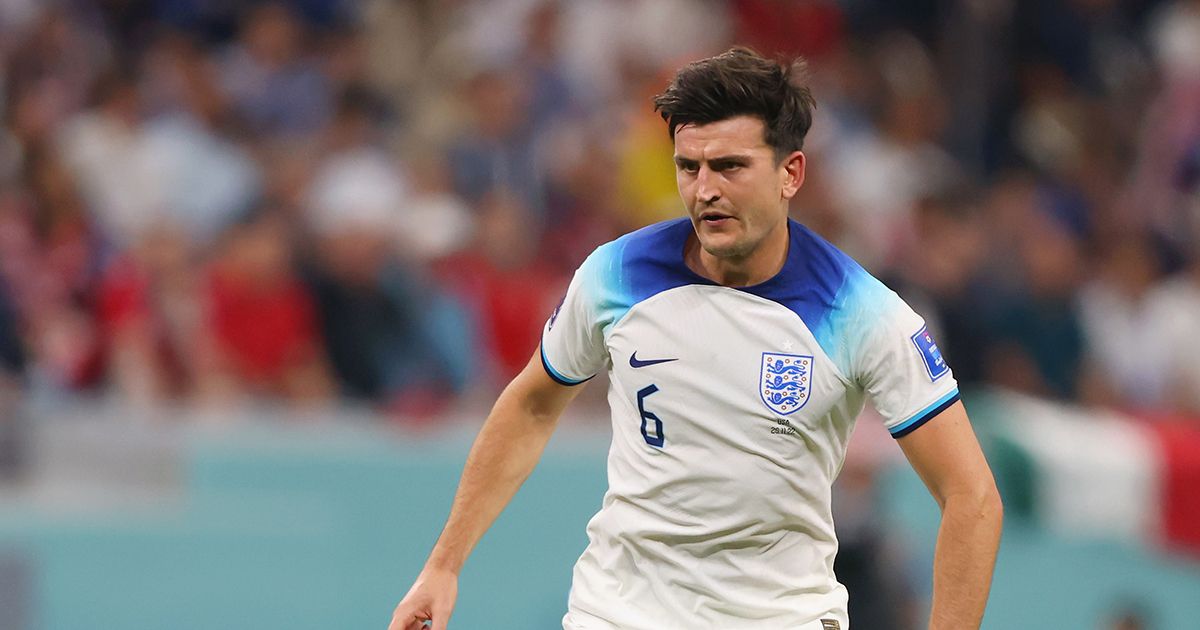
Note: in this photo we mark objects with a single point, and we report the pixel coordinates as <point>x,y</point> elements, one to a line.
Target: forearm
<point>964,559</point>
<point>505,452</point>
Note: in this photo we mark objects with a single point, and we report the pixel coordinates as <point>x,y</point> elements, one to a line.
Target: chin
<point>723,247</point>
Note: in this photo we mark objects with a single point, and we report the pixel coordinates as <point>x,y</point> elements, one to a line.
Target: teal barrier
<point>276,531</point>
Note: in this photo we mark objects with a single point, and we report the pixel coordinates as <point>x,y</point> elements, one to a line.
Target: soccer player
<point>740,348</point>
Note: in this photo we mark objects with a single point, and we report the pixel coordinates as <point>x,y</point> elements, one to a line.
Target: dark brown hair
<point>740,82</point>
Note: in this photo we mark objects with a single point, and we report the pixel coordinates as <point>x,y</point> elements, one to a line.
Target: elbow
<point>988,504</point>
<point>982,502</point>
<point>994,505</point>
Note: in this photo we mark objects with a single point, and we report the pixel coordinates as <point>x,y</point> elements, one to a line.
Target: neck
<point>756,267</point>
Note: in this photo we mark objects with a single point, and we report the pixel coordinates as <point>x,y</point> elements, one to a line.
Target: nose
<point>707,192</point>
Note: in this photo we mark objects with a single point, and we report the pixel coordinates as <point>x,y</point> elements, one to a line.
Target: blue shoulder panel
<point>638,266</point>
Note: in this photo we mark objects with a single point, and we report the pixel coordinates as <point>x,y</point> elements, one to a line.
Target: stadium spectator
<point>103,147</point>
<point>508,287</point>
<point>1117,314</point>
<point>881,171</point>
<point>646,183</point>
<point>1174,305</point>
<point>48,255</point>
<point>150,312</point>
<point>779,27</point>
<point>50,67</point>
<point>270,77</point>
<point>497,147</point>
<point>391,337</point>
<point>1034,336</point>
<point>262,319</point>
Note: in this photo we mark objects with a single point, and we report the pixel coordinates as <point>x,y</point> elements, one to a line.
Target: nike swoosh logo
<point>634,362</point>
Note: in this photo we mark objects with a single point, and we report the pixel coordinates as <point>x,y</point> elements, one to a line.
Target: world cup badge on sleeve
<point>935,365</point>
<point>785,381</point>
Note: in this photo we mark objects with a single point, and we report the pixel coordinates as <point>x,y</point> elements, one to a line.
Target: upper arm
<point>897,363</point>
<point>946,455</point>
<point>538,392</point>
<point>572,348</point>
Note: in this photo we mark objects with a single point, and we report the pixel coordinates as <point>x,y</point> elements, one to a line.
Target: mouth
<point>714,218</point>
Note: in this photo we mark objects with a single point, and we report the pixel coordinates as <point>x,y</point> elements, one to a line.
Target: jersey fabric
<point>731,411</point>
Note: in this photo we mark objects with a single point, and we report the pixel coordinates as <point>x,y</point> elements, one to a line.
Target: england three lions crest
<point>785,380</point>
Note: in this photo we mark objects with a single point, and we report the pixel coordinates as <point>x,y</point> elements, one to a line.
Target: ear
<point>793,175</point>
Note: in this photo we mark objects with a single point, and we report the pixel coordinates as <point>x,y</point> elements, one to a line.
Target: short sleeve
<point>573,348</point>
<point>902,370</point>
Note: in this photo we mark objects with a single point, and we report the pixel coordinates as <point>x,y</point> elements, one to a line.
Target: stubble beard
<point>732,252</point>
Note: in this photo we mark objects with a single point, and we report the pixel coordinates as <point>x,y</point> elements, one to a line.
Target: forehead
<point>737,135</point>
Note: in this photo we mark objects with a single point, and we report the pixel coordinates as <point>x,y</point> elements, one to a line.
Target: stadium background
<point>263,267</point>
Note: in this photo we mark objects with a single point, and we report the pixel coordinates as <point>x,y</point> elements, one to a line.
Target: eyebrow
<point>725,161</point>
<point>717,163</point>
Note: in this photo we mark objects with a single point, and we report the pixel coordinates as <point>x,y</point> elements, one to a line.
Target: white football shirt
<point>731,410</point>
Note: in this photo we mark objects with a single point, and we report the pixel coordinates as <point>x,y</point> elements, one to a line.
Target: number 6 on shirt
<point>657,439</point>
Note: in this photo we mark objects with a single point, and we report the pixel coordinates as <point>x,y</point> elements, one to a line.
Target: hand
<point>431,598</point>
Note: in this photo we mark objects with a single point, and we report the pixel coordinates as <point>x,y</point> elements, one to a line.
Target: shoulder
<point>840,302</point>
<point>659,243</point>
<point>644,262</point>
<point>633,268</point>
<point>823,284</point>
<point>819,264</point>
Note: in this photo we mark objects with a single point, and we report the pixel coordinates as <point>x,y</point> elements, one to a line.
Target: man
<point>740,349</point>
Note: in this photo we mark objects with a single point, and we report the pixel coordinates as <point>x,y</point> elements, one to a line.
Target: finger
<point>436,620</point>
<point>403,619</point>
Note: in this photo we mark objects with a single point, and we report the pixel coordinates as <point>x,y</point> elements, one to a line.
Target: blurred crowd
<point>328,200</point>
